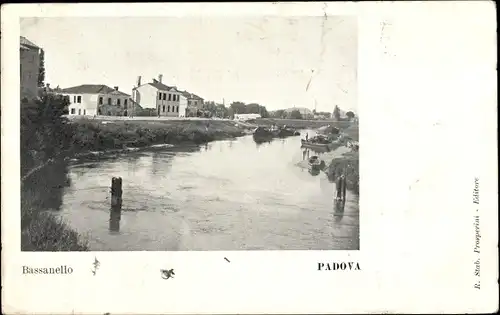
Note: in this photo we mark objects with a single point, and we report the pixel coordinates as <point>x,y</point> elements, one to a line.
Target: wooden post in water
<point>116,194</point>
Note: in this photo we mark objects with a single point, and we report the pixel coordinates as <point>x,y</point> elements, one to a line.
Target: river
<point>225,195</point>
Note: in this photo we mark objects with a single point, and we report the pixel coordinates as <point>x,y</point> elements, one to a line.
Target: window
<point>177,109</point>
<point>79,99</point>
<point>169,97</point>
<point>84,112</point>
<point>164,96</point>
<point>79,111</point>
<point>168,109</point>
<point>118,102</point>
<point>195,103</point>
<point>74,98</point>
<point>164,108</point>
<point>100,100</point>
<point>125,103</point>
<point>109,100</point>
<point>72,111</point>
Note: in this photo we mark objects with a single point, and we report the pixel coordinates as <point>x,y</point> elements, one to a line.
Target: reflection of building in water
<point>114,221</point>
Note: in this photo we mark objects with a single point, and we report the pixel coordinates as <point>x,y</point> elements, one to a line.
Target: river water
<point>225,195</point>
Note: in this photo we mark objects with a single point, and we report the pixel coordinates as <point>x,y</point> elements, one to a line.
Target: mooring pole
<point>116,194</point>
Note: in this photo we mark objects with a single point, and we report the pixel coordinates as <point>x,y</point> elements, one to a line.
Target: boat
<point>287,132</point>
<point>320,146</point>
<point>315,164</point>
<point>328,130</point>
<point>262,134</point>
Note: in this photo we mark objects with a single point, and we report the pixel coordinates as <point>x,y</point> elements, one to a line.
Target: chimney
<point>139,81</point>
<point>116,88</point>
<point>160,77</point>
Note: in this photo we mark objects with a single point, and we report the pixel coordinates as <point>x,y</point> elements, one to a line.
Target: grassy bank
<point>94,135</point>
<point>301,123</point>
<point>41,230</point>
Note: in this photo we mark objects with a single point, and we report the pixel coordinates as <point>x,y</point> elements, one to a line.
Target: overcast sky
<point>267,60</point>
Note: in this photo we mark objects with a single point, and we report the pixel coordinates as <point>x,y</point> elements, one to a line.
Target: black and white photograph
<point>241,136</point>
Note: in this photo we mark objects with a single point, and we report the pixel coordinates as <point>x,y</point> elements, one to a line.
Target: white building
<point>167,100</point>
<point>91,99</point>
<point>246,116</point>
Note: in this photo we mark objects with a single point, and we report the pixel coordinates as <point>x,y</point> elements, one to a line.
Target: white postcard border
<point>416,225</point>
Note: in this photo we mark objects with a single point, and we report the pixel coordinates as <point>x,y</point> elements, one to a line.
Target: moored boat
<point>262,134</point>
<point>287,132</point>
<point>315,164</point>
<point>321,146</point>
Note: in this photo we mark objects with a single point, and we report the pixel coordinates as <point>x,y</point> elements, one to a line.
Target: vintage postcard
<point>249,158</point>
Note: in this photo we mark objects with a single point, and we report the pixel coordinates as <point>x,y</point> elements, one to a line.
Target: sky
<point>278,62</point>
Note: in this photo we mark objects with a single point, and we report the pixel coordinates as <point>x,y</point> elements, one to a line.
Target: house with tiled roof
<point>166,100</point>
<point>97,99</point>
<point>29,56</point>
<point>194,102</point>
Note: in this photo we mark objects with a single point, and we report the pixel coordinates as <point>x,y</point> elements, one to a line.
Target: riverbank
<point>347,164</point>
<point>41,193</point>
<point>300,123</point>
<point>94,135</point>
<point>347,161</point>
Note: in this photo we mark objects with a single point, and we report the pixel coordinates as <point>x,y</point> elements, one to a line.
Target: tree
<point>41,69</point>
<point>295,114</point>
<point>336,112</point>
<point>44,130</point>
<point>222,111</point>
<point>263,112</point>
<point>252,108</point>
<point>280,113</point>
<point>238,107</point>
<point>350,115</point>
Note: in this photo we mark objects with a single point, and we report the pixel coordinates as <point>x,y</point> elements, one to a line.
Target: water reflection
<point>314,172</point>
<point>339,206</point>
<point>45,188</point>
<point>114,221</point>
<point>304,154</point>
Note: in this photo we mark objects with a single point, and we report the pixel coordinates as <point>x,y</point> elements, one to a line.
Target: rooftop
<point>190,95</point>
<point>161,86</point>
<point>92,89</point>
<point>27,44</point>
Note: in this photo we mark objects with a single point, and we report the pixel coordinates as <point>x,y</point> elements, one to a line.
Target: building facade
<point>91,100</point>
<point>195,103</point>
<point>246,116</point>
<point>29,68</point>
<point>166,100</point>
